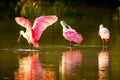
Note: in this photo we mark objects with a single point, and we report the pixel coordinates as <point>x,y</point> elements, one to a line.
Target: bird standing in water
<point>34,32</point>
<point>71,34</point>
<point>104,33</point>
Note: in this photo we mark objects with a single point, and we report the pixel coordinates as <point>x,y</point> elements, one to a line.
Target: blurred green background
<point>34,8</point>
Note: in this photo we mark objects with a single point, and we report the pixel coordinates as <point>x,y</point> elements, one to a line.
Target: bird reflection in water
<point>71,62</point>
<point>30,68</point>
<point>103,64</point>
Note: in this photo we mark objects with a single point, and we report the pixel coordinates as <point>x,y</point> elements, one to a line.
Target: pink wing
<point>72,35</point>
<point>104,33</point>
<point>23,22</point>
<point>41,23</point>
<point>107,33</point>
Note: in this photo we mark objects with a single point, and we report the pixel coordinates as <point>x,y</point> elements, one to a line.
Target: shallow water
<point>59,62</point>
<point>54,60</point>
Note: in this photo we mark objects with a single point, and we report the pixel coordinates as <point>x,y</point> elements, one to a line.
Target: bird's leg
<point>70,48</point>
<point>106,45</point>
<point>71,44</point>
<point>31,46</point>
<point>103,43</point>
<point>19,38</point>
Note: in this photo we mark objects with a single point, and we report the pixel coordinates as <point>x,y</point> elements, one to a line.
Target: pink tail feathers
<point>36,43</point>
<point>80,39</point>
<point>107,40</point>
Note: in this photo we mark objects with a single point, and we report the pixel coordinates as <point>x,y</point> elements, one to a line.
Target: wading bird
<point>104,33</point>
<point>71,34</point>
<point>34,32</point>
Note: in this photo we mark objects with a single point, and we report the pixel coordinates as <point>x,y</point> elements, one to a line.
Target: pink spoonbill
<point>104,33</point>
<point>71,34</point>
<point>34,32</point>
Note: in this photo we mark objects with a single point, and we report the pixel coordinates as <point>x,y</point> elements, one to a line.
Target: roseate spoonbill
<point>104,33</point>
<point>33,33</point>
<point>71,34</point>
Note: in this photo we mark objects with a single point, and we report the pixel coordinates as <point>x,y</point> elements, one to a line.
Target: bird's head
<point>101,26</point>
<point>64,25</point>
<point>21,32</point>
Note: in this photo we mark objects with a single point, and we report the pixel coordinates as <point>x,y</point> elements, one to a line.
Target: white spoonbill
<point>104,33</point>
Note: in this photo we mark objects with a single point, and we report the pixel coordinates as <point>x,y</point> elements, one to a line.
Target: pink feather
<point>23,22</point>
<point>72,35</point>
<point>41,23</point>
<point>104,33</point>
<point>33,34</point>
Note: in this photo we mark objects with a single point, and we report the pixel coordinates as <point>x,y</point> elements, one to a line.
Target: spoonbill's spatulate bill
<point>34,32</point>
<point>104,33</point>
<point>71,34</point>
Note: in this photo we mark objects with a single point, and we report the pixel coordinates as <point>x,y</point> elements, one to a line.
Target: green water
<point>54,60</point>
